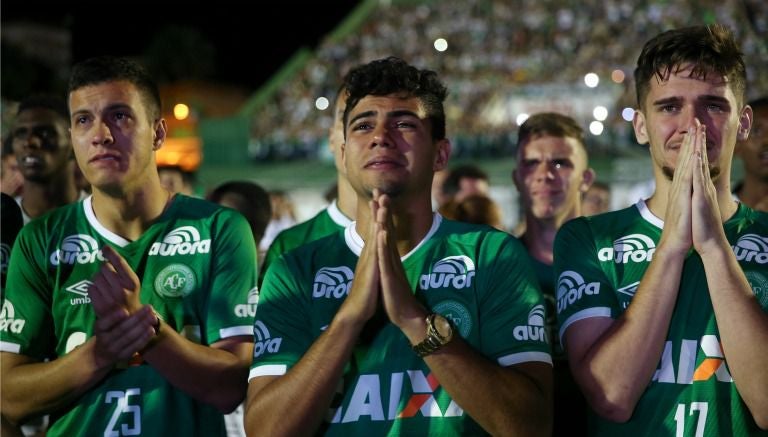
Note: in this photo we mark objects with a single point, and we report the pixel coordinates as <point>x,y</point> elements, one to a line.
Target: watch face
<point>442,326</point>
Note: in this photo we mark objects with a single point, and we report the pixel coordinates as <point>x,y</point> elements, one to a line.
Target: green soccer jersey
<point>196,270</point>
<point>324,223</point>
<point>600,261</point>
<point>478,277</point>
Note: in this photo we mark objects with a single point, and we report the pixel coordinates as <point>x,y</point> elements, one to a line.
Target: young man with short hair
<point>663,306</point>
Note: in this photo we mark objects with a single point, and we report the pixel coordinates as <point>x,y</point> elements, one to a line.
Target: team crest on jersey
<point>175,280</point>
<point>759,284</point>
<point>248,309</point>
<point>81,290</point>
<point>184,240</point>
<point>457,313</point>
<point>453,271</point>
<point>5,255</point>
<point>534,330</point>
<point>77,249</point>
<point>8,320</point>
<point>751,248</point>
<point>332,282</point>
<point>635,248</point>
<point>571,287</point>
<point>263,341</point>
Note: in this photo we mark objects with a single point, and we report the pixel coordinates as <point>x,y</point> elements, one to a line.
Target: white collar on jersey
<point>646,213</point>
<point>98,227</point>
<point>337,216</point>
<point>355,241</point>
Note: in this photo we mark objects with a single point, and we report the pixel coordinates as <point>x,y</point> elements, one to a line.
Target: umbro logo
<point>80,289</point>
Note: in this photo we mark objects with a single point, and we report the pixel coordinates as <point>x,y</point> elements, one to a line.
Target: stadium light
<point>591,79</point>
<point>322,103</point>
<point>596,127</point>
<point>617,76</point>
<point>181,111</point>
<point>627,114</point>
<point>600,113</point>
<point>441,45</point>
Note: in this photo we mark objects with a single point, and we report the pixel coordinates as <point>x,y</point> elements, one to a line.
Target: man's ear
<point>641,130</point>
<point>442,155</point>
<point>161,130</point>
<point>745,123</point>
<point>587,178</point>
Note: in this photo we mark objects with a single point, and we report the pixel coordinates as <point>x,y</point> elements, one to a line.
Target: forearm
<point>742,324</point>
<point>306,390</point>
<point>610,373</point>
<point>502,400</point>
<point>32,388</point>
<point>211,375</point>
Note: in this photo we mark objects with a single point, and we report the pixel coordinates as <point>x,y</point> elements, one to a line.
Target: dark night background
<point>238,43</point>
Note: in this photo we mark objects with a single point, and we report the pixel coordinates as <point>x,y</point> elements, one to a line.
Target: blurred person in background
<point>478,209</point>
<point>9,228</point>
<point>663,306</point>
<point>43,148</point>
<point>11,179</point>
<point>252,201</point>
<point>597,199</point>
<point>551,176</point>
<point>176,180</point>
<point>462,181</point>
<point>337,215</point>
<point>283,217</point>
<point>753,189</point>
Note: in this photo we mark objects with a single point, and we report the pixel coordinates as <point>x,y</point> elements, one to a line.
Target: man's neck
<point>39,198</point>
<point>346,199</point>
<point>539,236</point>
<point>129,214</point>
<point>411,222</point>
<point>658,201</point>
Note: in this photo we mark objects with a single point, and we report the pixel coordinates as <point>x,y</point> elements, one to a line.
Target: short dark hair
<point>102,69</point>
<point>549,123</point>
<point>710,49</point>
<point>45,101</point>
<point>452,183</point>
<point>252,202</point>
<point>393,75</point>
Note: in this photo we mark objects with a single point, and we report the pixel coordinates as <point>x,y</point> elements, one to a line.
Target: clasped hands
<point>380,280</point>
<point>693,216</point>
<point>124,326</point>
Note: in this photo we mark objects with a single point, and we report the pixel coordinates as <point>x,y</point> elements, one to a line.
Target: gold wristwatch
<point>439,333</point>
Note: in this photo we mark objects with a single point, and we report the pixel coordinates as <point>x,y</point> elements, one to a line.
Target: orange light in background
<point>181,111</point>
<point>617,76</point>
<point>186,153</point>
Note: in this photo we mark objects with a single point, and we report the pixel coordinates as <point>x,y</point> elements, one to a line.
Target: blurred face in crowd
<point>668,113</point>
<point>597,200</point>
<point>113,135</point>
<point>41,144</point>
<point>754,150</point>
<point>336,134</point>
<point>389,146</point>
<point>551,176</point>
